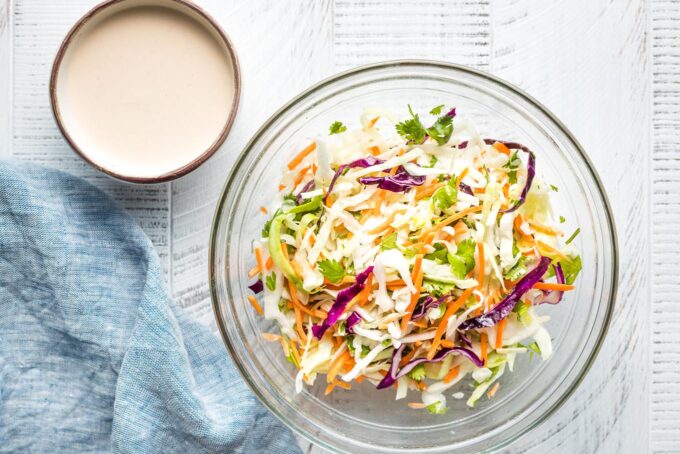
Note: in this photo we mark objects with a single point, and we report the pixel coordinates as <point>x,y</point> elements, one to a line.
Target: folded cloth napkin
<point>93,354</point>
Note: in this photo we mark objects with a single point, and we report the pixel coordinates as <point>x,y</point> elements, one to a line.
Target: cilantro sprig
<point>332,270</point>
<point>413,129</point>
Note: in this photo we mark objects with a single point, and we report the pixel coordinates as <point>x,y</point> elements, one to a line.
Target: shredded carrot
<point>450,310</point>
<point>329,201</point>
<point>360,378</point>
<point>545,229</point>
<point>258,258</point>
<point>314,169</point>
<point>482,265</point>
<point>462,175</point>
<point>373,122</point>
<point>254,270</point>
<point>282,187</point>
<point>450,219</point>
<point>407,358</point>
<point>546,249</point>
<point>493,390</point>
<point>343,385</point>
<point>269,337</point>
<point>301,175</point>
<point>483,346</point>
<point>427,191</point>
<point>447,343</point>
<point>453,373</point>
<point>420,324</point>
<point>417,278</point>
<point>378,202</point>
<point>329,389</point>
<point>553,286</point>
<point>302,155</point>
<point>337,365</point>
<point>294,351</point>
<point>264,210</point>
<point>416,405</point>
<point>502,148</point>
<point>269,263</point>
<point>499,333</point>
<point>375,151</point>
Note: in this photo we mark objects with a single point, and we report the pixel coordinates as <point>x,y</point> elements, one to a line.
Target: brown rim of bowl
<point>184,169</point>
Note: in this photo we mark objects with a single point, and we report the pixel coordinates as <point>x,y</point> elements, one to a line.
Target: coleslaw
<point>411,257</point>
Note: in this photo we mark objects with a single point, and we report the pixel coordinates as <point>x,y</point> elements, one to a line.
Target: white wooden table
<point>609,69</point>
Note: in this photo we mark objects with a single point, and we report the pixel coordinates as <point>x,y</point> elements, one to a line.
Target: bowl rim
<point>217,312</point>
<point>184,7</point>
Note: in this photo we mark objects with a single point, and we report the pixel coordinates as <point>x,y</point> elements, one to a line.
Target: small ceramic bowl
<point>97,140</point>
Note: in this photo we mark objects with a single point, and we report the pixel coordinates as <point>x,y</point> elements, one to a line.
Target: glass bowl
<point>364,419</point>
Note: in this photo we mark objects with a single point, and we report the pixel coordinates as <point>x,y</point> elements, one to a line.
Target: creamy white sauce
<point>145,90</point>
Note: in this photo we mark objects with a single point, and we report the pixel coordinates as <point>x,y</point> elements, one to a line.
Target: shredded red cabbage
<point>352,320</point>
<point>554,296</point>
<point>426,305</point>
<point>256,286</point>
<point>464,339</point>
<point>368,161</point>
<point>531,170</point>
<point>502,309</point>
<point>306,188</point>
<point>402,181</point>
<point>393,376</point>
<point>466,189</point>
<point>344,297</point>
<point>451,113</point>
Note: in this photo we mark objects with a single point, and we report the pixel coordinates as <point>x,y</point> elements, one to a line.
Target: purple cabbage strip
<point>402,181</point>
<point>463,145</point>
<point>256,286</point>
<point>464,339</point>
<point>428,304</point>
<point>466,189</point>
<point>306,188</point>
<point>451,113</point>
<point>368,161</point>
<point>531,170</point>
<point>344,297</point>
<point>392,377</point>
<point>554,296</point>
<point>352,320</point>
<point>502,309</point>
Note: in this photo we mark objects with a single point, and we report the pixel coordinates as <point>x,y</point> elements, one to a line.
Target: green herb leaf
<point>554,188</point>
<point>437,110</point>
<point>518,270</point>
<point>438,288</point>
<point>463,261</point>
<point>442,129</point>
<point>389,242</point>
<point>337,127</point>
<point>562,220</point>
<point>522,311</point>
<point>332,270</point>
<point>412,129</point>
<point>270,281</point>
<point>445,196</point>
<point>417,373</point>
<point>573,235</point>
<point>439,254</point>
<point>571,268</point>
<point>283,305</point>
<point>433,161</point>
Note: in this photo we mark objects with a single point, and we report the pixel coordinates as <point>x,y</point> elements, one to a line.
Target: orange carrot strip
<point>270,337</point>
<point>450,219</point>
<point>255,304</point>
<point>294,351</point>
<point>375,151</point>
<point>269,263</point>
<point>373,122</point>
<point>301,175</point>
<point>429,190</point>
<point>545,229</point>
<point>258,258</point>
<point>493,390</point>
<point>282,187</point>
<point>499,333</point>
<point>264,210</point>
<point>329,389</point>
<point>385,224</point>
<point>502,148</point>
<point>302,155</point>
<point>447,343</point>
<point>450,310</point>
<point>360,378</point>
<point>416,405</point>
<point>462,175</point>
<point>552,286</point>
<point>417,278</point>
<point>453,373</point>
<point>336,366</point>
<point>253,271</point>
<point>547,249</point>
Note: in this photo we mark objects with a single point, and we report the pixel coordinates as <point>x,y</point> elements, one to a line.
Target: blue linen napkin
<point>93,354</point>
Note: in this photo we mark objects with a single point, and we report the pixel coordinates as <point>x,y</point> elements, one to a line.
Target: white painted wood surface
<point>595,63</point>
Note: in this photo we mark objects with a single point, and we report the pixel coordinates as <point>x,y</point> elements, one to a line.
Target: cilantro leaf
<point>562,220</point>
<point>571,268</point>
<point>512,165</point>
<point>437,110</point>
<point>463,261</point>
<point>522,311</point>
<point>438,288</point>
<point>433,161</point>
<point>445,196</point>
<point>518,270</point>
<point>439,254</point>
<point>332,270</point>
<point>554,188</point>
<point>412,129</point>
<point>271,282</point>
<point>442,129</point>
<point>389,242</point>
<point>337,127</point>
